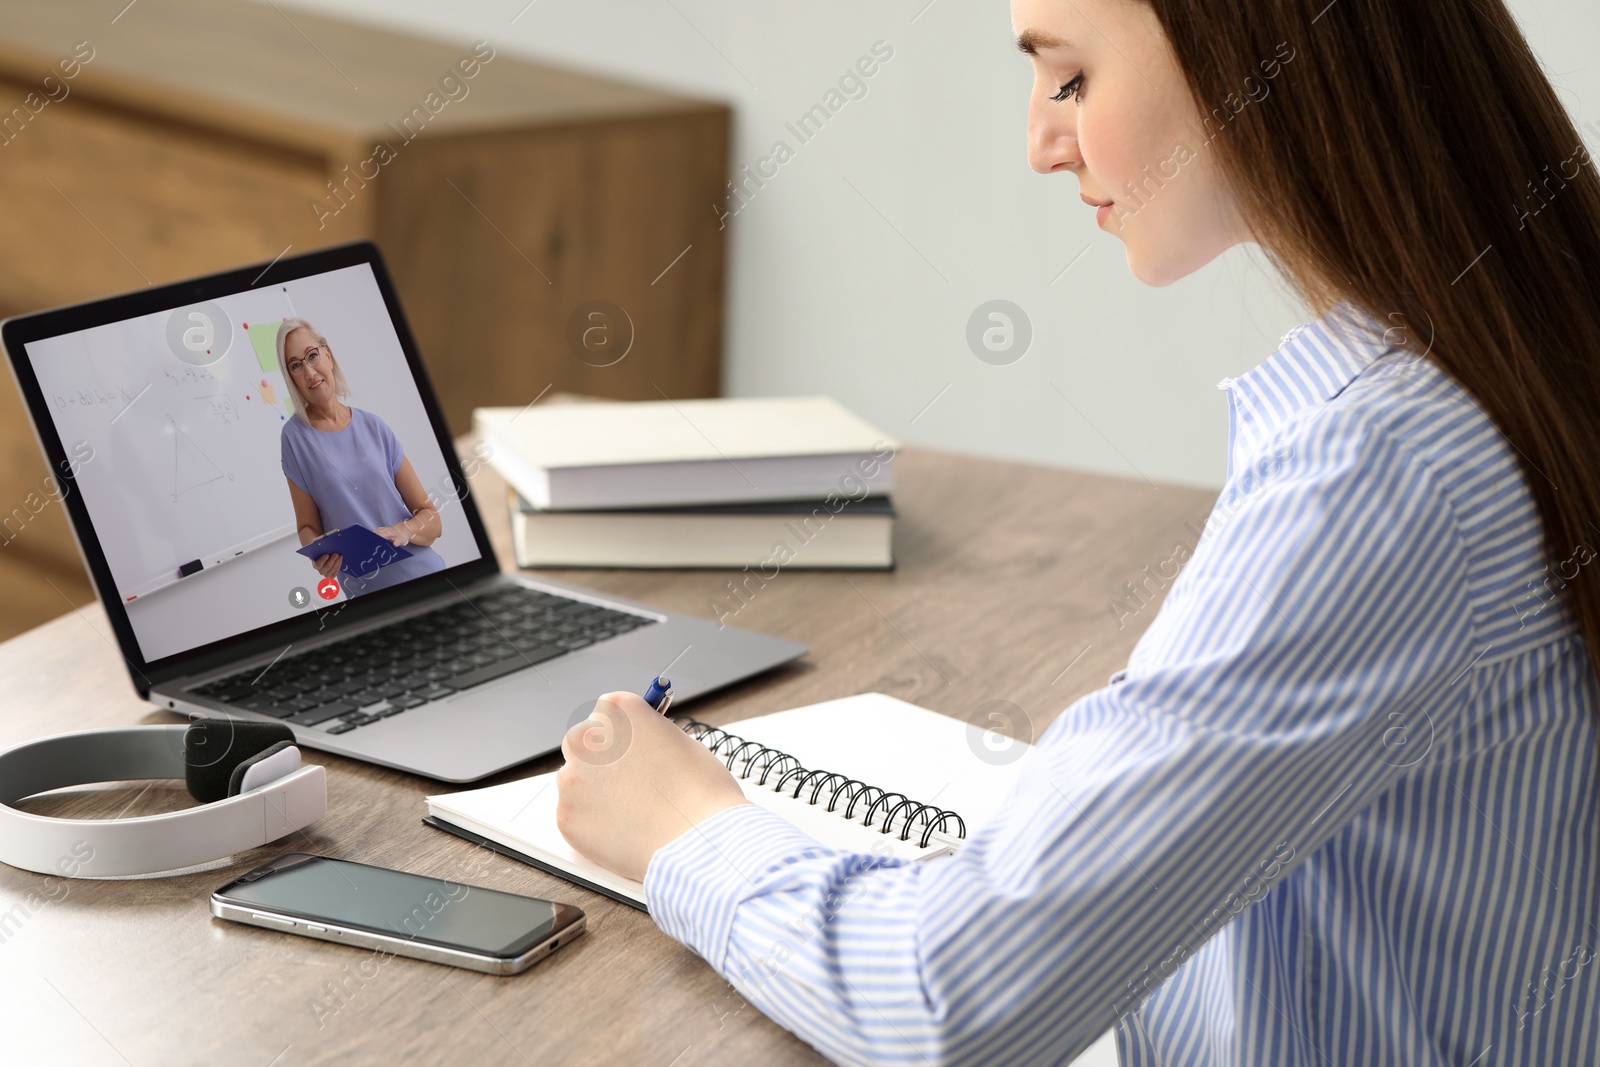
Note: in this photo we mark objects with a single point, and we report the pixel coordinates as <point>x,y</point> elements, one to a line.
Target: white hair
<point>341,388</point>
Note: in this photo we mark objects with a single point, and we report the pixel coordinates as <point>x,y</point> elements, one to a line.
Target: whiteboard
<point>186,459</point>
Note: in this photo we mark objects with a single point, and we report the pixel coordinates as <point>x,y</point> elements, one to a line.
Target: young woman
<point>1341,806</point>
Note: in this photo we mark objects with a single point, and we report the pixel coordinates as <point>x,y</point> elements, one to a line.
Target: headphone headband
<point>89,848</point>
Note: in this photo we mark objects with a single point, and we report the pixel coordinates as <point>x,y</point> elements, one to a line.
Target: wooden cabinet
<point>511,200</point>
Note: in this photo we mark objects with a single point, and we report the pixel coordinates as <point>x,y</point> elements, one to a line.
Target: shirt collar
<point>1314,363</point>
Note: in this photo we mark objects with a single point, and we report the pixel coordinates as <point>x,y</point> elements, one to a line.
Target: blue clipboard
<point>363,551</point>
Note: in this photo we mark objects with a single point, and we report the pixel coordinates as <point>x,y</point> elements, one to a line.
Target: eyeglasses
<point>313,359</point>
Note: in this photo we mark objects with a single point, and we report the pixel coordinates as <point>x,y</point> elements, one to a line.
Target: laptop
<point>171,426</point>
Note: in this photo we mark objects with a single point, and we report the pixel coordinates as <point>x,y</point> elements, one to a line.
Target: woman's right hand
<point>328,566</point>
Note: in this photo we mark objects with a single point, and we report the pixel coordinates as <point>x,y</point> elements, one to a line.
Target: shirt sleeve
<point>393,454</point>
<point>291,459</point>
<point>1254,721</point>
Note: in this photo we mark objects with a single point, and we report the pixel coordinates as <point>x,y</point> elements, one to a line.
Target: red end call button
<point>327,589</point>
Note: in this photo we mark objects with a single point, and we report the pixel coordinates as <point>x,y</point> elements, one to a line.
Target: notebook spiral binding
<point>761,763</point>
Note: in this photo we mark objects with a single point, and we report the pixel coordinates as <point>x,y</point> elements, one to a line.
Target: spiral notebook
<point>865,773</point>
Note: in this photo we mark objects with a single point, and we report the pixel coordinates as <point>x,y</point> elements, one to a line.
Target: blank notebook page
<point>873,738</point>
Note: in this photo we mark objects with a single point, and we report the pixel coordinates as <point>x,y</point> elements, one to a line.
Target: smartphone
<point>403,914</point>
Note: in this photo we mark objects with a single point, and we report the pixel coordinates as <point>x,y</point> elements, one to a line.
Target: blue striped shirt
<point>1340,808</point>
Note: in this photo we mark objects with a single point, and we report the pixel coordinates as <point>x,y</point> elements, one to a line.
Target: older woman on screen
<point>346,467</point>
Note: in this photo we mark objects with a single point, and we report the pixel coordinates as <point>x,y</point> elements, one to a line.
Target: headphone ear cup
<point>213,748</point>
<point>236,779</point>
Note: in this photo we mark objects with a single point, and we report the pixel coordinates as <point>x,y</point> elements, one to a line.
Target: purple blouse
<point>350,473</point>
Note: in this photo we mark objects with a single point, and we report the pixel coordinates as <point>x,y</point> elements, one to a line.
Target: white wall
<point>826,295</point>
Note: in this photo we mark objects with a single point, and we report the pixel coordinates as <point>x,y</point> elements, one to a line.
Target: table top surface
<point>1002,593</point>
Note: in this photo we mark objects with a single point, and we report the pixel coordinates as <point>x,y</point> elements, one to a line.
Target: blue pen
<point>659,695</point>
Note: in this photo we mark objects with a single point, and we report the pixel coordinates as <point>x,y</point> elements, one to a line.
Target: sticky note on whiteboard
<point>264,339</point>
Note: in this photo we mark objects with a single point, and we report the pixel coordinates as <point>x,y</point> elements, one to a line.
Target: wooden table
<point>1006,573</point>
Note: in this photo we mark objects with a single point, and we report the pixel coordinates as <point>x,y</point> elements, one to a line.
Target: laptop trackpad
<point>592,673</point>
<point>578,681</point>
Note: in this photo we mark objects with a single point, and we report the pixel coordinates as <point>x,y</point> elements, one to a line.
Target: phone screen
<point>432,910</point>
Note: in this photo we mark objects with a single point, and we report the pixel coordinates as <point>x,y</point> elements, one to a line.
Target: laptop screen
<point>214,442</point>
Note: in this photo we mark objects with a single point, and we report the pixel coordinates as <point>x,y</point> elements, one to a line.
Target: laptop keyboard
<point>406,664</point>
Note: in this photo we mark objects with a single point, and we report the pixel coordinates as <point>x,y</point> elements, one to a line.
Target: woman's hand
<point>328,566</point>
<point>398,535</point>
<point>634,781</point>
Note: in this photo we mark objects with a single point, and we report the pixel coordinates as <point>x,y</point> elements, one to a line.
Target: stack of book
<point>763,483</point>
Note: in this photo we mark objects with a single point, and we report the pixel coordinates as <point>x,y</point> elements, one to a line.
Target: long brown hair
<point>1411,156</point>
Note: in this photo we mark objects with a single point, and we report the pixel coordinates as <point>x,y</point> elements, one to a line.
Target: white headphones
<point>247,775</point>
